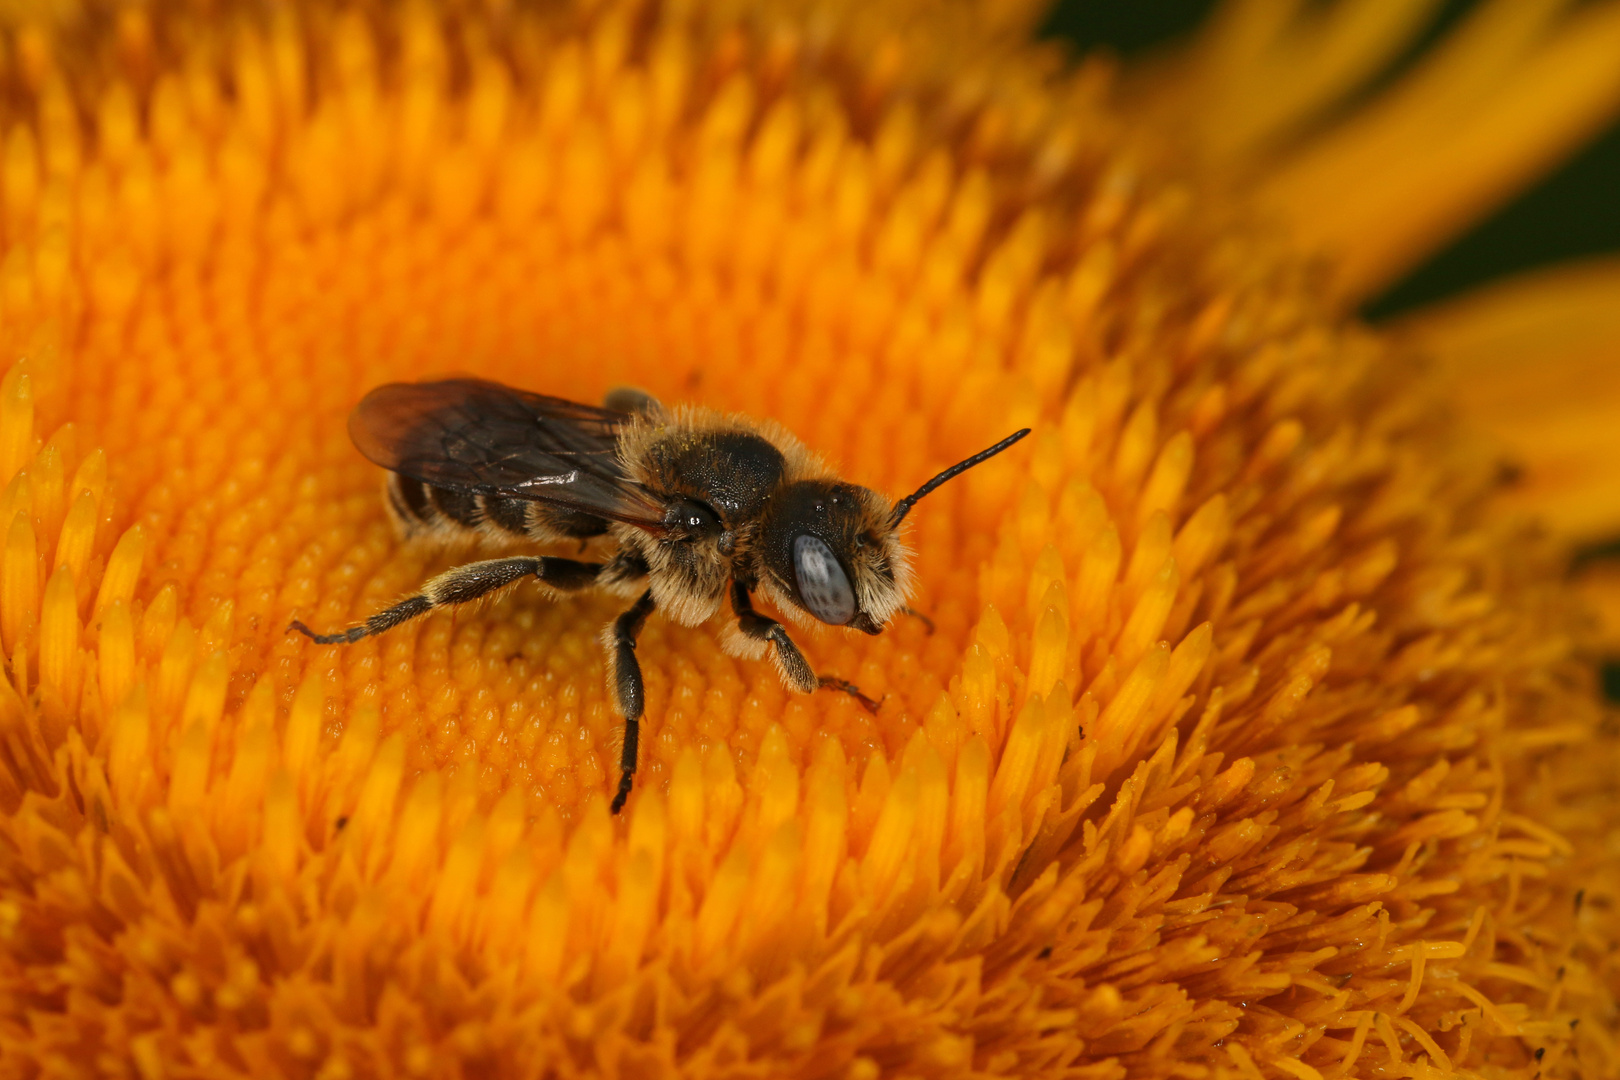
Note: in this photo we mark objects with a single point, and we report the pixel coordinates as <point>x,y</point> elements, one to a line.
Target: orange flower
<point>1253,740</point>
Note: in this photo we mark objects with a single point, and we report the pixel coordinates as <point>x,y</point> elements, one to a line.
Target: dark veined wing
<point>487,439</point>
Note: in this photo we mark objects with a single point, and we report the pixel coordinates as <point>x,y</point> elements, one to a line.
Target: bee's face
<point>828,551</point>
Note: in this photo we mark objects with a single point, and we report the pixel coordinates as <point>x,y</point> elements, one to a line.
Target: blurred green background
<point>1572,213</point>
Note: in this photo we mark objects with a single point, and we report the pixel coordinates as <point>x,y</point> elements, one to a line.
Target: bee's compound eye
<point>822,583</point>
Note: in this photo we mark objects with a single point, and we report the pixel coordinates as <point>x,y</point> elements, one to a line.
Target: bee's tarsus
<point>626,781</point>
<point>920,617</point>
<point>829,682</point>
<point>342,637</point>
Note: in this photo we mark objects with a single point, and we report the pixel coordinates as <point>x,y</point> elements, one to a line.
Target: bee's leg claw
<point>626,780</point>
<point>830,683</point>
<point>342,637</point>
<point>915,614</point>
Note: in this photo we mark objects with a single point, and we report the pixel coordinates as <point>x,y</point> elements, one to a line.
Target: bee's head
<point>833,551</point>
<point>827,548</point>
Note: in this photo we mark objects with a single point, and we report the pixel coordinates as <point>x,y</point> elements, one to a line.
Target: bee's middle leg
<point>464,584</point>
<point>790,662</point>
<point>624,682</point>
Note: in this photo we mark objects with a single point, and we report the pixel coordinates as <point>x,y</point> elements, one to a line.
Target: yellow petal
<point>1599,585</point>
<point>1449,142</point>
<point>1535,361</point>
<point>1378,184</point>
<point>1264,68</point>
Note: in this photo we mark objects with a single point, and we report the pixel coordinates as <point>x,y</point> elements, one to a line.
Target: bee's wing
<point>488,439</point>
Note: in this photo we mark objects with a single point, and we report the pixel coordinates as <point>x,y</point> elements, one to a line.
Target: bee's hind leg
<point>463,585</point>
<point>790,662</point>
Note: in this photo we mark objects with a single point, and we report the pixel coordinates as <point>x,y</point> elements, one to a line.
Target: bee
<point>700,507</point>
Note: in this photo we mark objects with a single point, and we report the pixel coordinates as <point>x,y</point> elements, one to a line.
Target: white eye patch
<point>822,583</point>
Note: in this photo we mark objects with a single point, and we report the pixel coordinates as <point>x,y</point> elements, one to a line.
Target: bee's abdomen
<point>422,507</point>
<point>508,515</point>
<point>412,503</point>
<point>458,507</point>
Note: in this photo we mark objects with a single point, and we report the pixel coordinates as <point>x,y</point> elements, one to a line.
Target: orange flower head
<point>1243,737</point>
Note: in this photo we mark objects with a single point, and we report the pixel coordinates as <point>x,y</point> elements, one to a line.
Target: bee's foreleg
<point>465,584</point>
<point>790,662</point>
<point>624,683</point>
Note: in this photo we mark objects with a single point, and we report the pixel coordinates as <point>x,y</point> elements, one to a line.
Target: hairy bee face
<point>826,550</point>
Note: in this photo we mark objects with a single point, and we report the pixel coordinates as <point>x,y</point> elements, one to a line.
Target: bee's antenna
<point>903,507</point>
